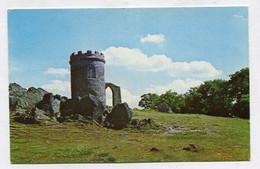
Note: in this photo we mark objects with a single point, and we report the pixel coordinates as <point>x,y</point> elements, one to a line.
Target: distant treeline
<point>227,98</point>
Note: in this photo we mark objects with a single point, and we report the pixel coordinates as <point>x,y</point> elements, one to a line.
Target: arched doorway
<point>116,93</point>
<point>109,97</point>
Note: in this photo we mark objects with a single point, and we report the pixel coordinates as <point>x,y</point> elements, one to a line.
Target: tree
<point>148,101</point>
<point>239,93</point>
<point>173,99</point>
<point>215,98</point>
<point>193,101</point>
<point>209,98</point>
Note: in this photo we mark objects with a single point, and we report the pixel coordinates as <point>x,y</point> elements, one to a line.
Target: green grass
<point>217,138</point>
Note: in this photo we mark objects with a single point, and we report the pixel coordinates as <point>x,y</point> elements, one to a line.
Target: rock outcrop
<point>21,99</point>
<point>119,117</point>
<point>37,105</point>
<point>50,104</point>
<point>88,107</point>
<point>67,108</point>
<point>141,123</point>
<point>33,105</point>
<point>164,107</point>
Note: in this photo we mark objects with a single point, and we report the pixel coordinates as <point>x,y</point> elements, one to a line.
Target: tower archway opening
<point>116,93</point>
<point>109,97</point>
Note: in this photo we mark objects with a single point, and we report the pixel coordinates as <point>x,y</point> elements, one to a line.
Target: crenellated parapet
<point>88,55</point>
<point>88,77</point>
<point>87,74</point>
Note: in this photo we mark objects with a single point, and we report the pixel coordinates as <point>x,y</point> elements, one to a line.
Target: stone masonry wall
<point>82,85</point>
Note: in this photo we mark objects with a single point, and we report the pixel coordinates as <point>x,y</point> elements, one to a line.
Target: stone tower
<point>87,75</point>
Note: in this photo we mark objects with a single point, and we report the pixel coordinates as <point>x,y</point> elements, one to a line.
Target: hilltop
<point>214,139</point>
<point>158,137</point>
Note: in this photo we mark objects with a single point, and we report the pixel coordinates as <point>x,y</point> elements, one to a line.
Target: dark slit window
<point>91,72</point>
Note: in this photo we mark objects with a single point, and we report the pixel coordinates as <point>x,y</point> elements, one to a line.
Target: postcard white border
<point>254,62</point>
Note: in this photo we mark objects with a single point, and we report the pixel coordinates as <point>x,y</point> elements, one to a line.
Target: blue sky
<point>146,49</point>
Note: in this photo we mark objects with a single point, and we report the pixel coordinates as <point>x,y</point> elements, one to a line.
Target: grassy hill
<point>216,139</point>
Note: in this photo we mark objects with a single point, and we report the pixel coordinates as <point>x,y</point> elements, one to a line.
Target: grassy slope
<point>218,139</point>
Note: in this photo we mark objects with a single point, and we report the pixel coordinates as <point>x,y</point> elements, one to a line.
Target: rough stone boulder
<point>25,118</point>
<point>192,147</point>
<point>119,117</point>
<point>16,90</point>
<point>141,123</point>
<point>164,107</point>
<point>67,107</point>
<point>38,93</point>
<point>32,116</point>
<point>135,122</point>
<point>39,114</point>
<point>15,104</point>
<point>21,99</point>
<point>60,98</point>
<point>49,104</point>
<point>90,106</point>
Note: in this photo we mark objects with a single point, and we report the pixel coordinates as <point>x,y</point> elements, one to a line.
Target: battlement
<point>87,55</point>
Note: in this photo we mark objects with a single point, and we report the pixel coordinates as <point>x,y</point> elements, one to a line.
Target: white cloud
<point>200,69</point>
<point>58,86</point>
<point>238,16</point>
<point>57,71</point>
<point>131,99</point>
<point>137,60</point>
<point>153,38</point>
<point>179,86</point>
